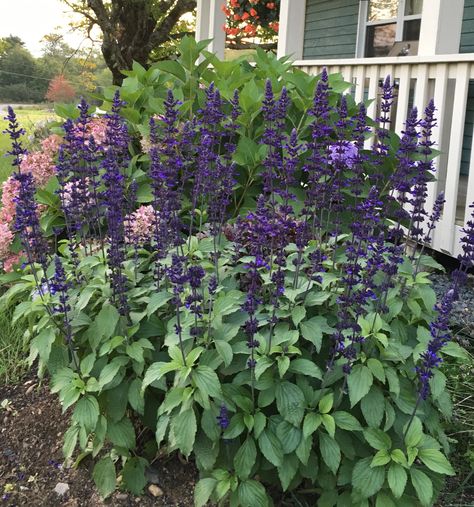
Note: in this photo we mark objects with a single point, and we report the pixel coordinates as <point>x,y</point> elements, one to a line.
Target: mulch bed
<point>31,434</point>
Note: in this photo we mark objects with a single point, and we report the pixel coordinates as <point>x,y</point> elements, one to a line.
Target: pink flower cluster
<point>42,166</point>
<point>41,163</point>
<point>97,128</point>
<point>139,225</point>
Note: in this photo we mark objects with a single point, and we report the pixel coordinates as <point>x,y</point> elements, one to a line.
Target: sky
<point>32,19</point>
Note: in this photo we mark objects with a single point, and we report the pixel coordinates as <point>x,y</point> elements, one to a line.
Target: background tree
<point>60,90</point>
<point>132,29</point>
<point>20,76</point>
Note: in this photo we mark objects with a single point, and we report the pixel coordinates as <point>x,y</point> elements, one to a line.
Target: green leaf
<point>329,424</point>
<point>104,476</point>
<point>359,381</point>
<point>366,480</point>
<point>346,421</point>
<point>384,500</point>
<point>106,320</point>
<point>313,329</point>
<point>381,458</point>
<point>259,422</point>
<point>157,370</point>
<point>224,349</point>
<point>121,433</point>
<point>377,439</point>
<point>289,436</point>
<point>373,407</point>
<point>330,452</point>
<point>251,494</point>
<point>203,491</point>
<point>288,470</point>
<point>86,412</point>
<point>172,67</point>
<point>43,342</point>
<point>326,403</point>
<point>70,441</point>
<point>184,429</point>
<point>298,314</point>
<point>376,367</point>
<point>207,381</point>
<point>271,447</point>
<point>245,458</point>
<point>311,423</point>
<point>157,300</point>
<point>283,363</point>
<point>437,384</point>
<point>397,479</point>
<point>400,458</point>
<point>414,434</point>
<point>135,351</point>
<point>453,349</point>
<point>436,461</point>
<point>133,474</point>
<point>87,364</point>
<point>290,402</point>
<point>423,486</point>
<point>108,373</point>
<point>305,367</point>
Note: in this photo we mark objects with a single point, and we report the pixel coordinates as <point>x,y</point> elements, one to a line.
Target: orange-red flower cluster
<point>251,18</point>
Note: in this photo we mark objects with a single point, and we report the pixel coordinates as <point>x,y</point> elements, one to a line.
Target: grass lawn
<point>27,118</point>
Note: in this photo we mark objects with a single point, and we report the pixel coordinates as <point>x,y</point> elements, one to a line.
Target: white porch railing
<point>445,78</point>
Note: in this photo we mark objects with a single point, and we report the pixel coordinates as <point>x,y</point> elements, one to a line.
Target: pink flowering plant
<point>237,292</point>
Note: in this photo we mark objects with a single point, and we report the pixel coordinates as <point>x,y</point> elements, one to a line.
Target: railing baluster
<point>455,155</point>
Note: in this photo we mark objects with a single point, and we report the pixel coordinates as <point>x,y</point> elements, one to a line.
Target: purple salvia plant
<point>115,161</point>
<point>15,133</point>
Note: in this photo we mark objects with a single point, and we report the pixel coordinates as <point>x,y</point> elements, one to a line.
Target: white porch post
<point>440,27</point>
<point>209,22</point>
<point>291,32</point>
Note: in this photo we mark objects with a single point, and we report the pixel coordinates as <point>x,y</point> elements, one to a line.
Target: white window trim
<point>363,23</point>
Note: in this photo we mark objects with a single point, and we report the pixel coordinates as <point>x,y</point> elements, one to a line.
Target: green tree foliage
<point>132,29</point>
<point>20,79</point>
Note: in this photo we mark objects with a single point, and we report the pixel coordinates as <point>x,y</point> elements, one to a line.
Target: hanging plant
<point>251,18</point>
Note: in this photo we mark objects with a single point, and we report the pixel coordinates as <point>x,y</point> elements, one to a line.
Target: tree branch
<point>161,33</point>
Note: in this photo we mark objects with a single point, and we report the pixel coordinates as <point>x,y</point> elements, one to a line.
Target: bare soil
<point>31,434</point>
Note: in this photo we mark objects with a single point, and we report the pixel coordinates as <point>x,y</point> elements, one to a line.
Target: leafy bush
<point>293,348</point>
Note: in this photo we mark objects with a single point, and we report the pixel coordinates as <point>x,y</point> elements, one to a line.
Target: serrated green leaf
<point>271,447</point>
<point>366,480</point>
<point>283,363</point>
<point>377,439</point>
<point>381,458</point>
<point>373,407</point>
<point>415,432</point>
<point>244,458</point>
<point>330,452</point>
<point>435,460</point>
<point>121,433</point>
<point>288,470</point>
<point>346,421</point>
<point>207,381</point>
<point>397,479</point>
<point>376,367</point>
<point>290,402</point>
<point>313,329</point>
<point>203,491</point>
<point>325,403</point>
<point>133,474</point>
<point>70,441</point>
<point>305,367</point>
<point>329,424</point>
<point>184,429</point>
<point>104,477</point>
<point>86,412</point>
<point>311,423</point>
<point>224,349</point>
<point>289,436</point>
<point>399,457</point>
<point>359,382</point>
<point>157,300</point>
<point>423,486</point>
<point>252,493</point>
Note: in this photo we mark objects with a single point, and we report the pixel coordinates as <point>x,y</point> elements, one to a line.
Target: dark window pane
<point>380,39</point>
<point>411,30</point>
<point>382,9</point>
<point>413,7</point>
